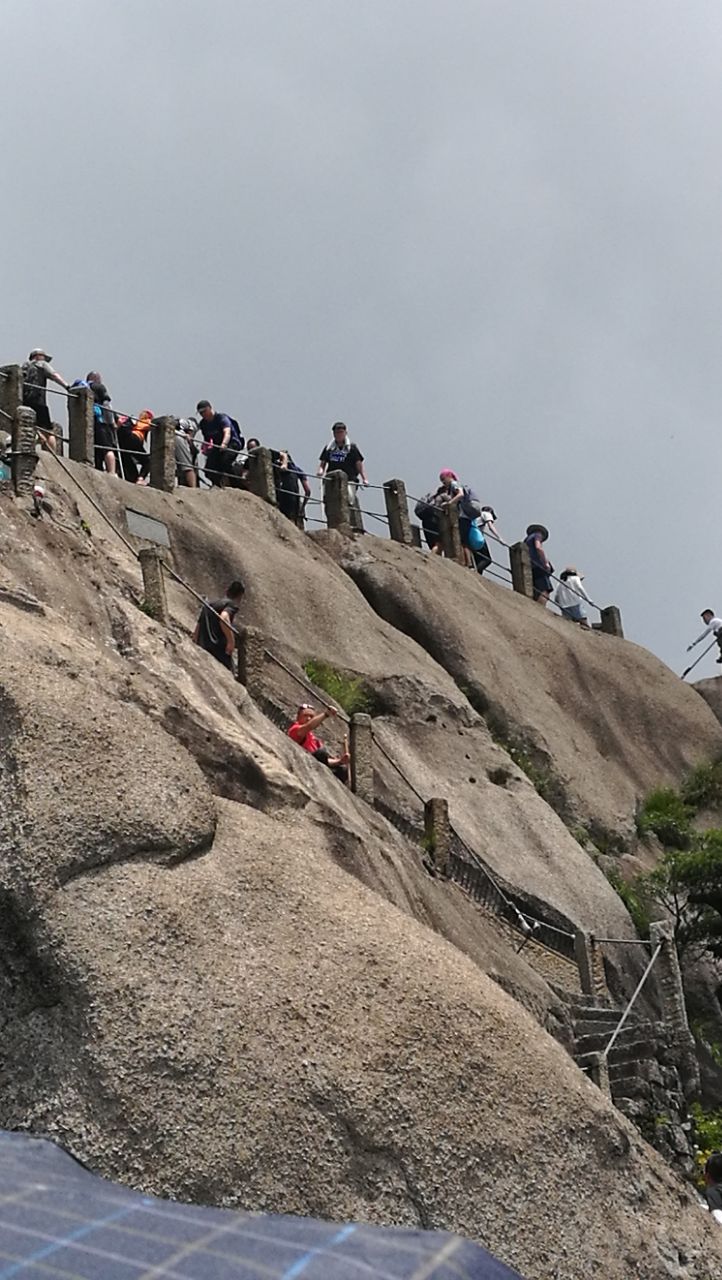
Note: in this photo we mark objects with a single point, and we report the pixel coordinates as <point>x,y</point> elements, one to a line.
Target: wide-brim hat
<point>540,529</point>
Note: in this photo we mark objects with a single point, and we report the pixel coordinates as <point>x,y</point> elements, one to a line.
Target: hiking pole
<point>699,659</point>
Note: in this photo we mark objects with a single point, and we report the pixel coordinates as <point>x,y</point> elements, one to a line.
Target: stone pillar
<point>335,501</point>
<point>612,621</point>
<point>599,974</point>
<point>416,536</point>
<point>261,479</point>
<point>156,603</point>
<point>362,758</point>
<point>599,1073</point>
<point>11,394</point>
<point>397,510</point>
<point>674,1009</point>
<point>584,956</point>
<point>450,535</point>
<point>81,425</point>
<point>437,833</point>
<point>521,575</point>
<point>251,659</point>
<point>25,456</point>
<point>162,454</point>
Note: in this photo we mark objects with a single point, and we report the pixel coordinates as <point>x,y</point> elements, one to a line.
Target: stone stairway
<point>644,1082</point>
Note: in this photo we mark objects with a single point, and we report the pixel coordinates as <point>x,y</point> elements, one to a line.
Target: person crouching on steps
<point>302,732</point>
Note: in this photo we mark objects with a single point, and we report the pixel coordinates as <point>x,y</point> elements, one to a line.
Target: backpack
<point>470,504</point>
<point>424,505</point>
<point>33,384</point>
<point>236,441</point>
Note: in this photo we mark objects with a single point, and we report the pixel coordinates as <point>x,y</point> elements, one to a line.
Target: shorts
<point>42,418</point>
<point>183,456</point>
<point>575,612</point>
<point>104,436</point>
<point>541,582</point>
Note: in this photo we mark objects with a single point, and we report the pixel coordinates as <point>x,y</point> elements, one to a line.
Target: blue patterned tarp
<point>60,1222</point>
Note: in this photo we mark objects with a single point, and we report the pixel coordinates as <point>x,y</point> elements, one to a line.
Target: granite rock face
<point>225,978</point>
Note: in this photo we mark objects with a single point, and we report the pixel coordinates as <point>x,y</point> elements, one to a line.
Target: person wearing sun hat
<point>37,372</point>
<point>541,566</point>
<point>570,594</point>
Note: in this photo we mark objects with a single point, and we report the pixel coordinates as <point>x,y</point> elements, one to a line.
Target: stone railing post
<point>584,956</point>
<point>156,603</point>
<point>162,453</point>
<point>437,833</point>
<point>25,456</point>
<point>335,501</point>
<point>450,534</point>
<point>397,511</point>
<point>599,1073</point>
<point>362,759</point>
<point>81,425</point>
<point>612,621</point>
<point>261,478</point>
<point>11,394</point>
<point>416,536</point>
<point>674,1009</point>
<point>251,659</point>
<point>521,574</point>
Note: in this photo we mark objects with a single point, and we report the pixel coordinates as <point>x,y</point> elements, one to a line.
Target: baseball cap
<point>203,404</point>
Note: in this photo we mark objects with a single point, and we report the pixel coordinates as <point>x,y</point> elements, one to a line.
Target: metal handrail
<point>628,1009</point>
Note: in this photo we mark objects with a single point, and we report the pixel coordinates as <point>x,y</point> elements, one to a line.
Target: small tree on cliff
<point>688,883</point>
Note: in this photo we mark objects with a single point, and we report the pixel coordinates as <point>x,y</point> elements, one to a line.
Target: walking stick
<point>699,659</point>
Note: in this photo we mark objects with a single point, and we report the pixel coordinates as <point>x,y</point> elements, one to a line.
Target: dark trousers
<point>219,465</point>
<point>340,770</point>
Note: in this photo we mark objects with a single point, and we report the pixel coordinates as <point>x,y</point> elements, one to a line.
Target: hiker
<point>37,372</point>
<point>541,566</point>
<point>290,481</point>
<point>569,596</point>
<point>452,493</point>
<point>712,626</point>
<point>427,511</point>
<point>222,442</point>
<point>479,533</point>
<point>132,434</point>
<point>104,433</point>
<point>186,453</point>
<point>713,1184</point>
<point>214,628</point>
<point>302,732</point>
<point>341,455</point>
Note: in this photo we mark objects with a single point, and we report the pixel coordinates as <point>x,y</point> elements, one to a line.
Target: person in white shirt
<point>569,596</point>
<point>712,626</point>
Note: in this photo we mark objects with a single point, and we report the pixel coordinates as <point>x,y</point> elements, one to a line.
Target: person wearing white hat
<point>570,594</point>
<point>37,372</point>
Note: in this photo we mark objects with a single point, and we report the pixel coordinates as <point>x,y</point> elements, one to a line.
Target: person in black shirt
<point>342,455</point>
<point>214,628</point>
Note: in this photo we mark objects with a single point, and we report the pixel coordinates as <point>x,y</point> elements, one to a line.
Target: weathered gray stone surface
<point>226,979</point>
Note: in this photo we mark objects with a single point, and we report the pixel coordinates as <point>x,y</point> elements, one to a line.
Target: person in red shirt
<point>302,732</point>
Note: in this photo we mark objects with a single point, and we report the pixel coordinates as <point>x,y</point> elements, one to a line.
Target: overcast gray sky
<point>485,233</point>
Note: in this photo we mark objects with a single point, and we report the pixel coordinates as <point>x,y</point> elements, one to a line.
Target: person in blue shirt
<point>222,442</point>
